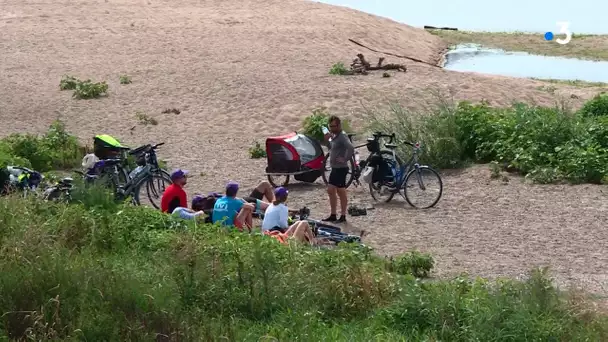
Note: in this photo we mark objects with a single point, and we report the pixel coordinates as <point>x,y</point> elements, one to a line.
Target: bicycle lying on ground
<point>327,232</point>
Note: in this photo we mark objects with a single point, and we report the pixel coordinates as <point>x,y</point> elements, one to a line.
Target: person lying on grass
<point>276,221</point>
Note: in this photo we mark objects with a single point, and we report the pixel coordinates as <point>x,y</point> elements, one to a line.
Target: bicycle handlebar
<point>157,145</point>
<point>378,135</point>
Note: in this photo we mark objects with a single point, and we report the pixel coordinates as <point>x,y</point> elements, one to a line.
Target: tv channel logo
<point>564,28</point>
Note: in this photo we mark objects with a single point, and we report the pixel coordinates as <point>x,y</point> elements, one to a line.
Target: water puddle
<point>474,58</point>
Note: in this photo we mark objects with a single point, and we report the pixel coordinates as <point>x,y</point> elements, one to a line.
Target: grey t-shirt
<point>340,147</point>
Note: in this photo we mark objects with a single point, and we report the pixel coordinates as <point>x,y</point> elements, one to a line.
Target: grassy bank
<point>574,83</point>
<point>101,271</point>
<point>592,47</point>
<point>544,144</point>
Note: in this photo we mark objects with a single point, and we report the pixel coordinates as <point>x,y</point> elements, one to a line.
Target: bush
<point>545,144</point>
<point>338,69</point>
<point>68,82</point>
<point>313,124</point>
<point>257,151</point>
<point>597,106</point>
<point>436,131</point>
<point>90,90</point>
<point>83,89</point>
<point>124,79</point>
<point>54,150</point>
<point>94,270</point>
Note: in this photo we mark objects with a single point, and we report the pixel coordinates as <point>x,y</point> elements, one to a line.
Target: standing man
<point>341,150</point>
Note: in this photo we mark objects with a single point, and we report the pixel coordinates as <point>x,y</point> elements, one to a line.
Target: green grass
<point>592,47</point>
<point>98,270</point>
<point>101,271</point>
<point>574,83</point>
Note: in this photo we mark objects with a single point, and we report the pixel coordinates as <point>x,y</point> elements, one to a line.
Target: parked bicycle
<point>355,165</point>
<point>404,178</point>
<point>148,173</point>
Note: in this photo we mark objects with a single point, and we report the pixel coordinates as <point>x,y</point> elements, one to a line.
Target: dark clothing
<point>341,147</point>
<point>337,177</point>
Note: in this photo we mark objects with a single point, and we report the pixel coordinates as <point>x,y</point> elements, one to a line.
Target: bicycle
<point>397,181</point>
<point>23,179</point>
<point>326,231</point>
<point>356,166</point>
<point>122,180</point>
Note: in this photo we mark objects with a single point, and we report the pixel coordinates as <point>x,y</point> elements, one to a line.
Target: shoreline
<point>582,46</point>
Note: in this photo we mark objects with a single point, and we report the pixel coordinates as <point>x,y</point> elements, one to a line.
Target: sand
<point>240,71</point>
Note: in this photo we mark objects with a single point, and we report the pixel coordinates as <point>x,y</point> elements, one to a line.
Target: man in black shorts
<point>340,153</point>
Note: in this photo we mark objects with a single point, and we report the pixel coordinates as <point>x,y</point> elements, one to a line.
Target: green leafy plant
<point>68,82</point>
<point>338,69</point>
<point>145,119</point>
<point>124,79</point>
<point>257,151</point>
<point>314,123</point>
<point>414,263</point>
<point>597,106</point>
<point>90,90</point>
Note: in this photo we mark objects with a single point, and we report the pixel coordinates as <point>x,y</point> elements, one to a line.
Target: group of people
<point>233,211</point>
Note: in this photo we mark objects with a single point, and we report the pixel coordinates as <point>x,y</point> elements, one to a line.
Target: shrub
<point>313,124</point>
<point>414,263</point>
<point>55,150</point>
<point>68,82</point>
<point>89,90</point>
<point>124,79</point>
<point>597,106</point>
<point>436,130</point>
<point>257,151</point>
<point>145,119</point>
<point>338,69</point>
<point>546,144</point>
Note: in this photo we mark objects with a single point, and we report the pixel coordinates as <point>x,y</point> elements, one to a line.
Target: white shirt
<point>275,216</point>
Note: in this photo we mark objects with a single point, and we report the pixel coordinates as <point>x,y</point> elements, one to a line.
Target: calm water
<point>520,64</point>
<point>585,16</point>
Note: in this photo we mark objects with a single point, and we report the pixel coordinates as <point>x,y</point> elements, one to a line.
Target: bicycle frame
<point>407,167</point>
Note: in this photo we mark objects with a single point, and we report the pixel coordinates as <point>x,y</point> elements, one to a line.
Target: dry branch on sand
<point>361,66</point>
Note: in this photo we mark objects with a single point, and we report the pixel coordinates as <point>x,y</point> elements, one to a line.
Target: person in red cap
<point>174,195</point>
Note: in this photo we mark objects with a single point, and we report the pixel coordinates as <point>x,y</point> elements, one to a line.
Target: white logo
<point>564,28</point>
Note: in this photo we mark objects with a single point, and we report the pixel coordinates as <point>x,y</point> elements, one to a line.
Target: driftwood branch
<point>360,66</point>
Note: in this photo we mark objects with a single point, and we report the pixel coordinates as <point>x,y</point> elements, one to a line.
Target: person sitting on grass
<point>263,190</point>
<point>174,195</point>
<point>276,221</point>
<point>232,211</point>
<point>196,213</point>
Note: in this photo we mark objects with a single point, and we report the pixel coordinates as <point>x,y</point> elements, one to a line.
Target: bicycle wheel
<point>380,189</point>
<point>275,181</point>
<point>424,181</point>
<point>327,171</point>
<point>155,187</point>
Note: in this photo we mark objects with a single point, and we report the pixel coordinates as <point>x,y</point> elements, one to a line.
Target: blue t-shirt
<point>225,210</point>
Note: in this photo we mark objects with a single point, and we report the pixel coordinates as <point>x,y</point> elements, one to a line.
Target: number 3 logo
<point>563,28</point>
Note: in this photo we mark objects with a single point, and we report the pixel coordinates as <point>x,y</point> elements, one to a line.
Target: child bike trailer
<point>296,155</point>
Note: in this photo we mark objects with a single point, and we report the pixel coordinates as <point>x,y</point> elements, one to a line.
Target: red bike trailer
<point>293,154</point>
